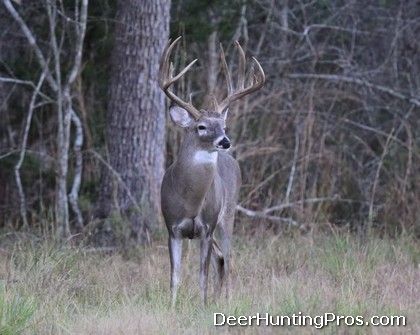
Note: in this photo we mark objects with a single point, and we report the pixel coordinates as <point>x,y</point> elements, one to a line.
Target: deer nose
<point>224,143</point>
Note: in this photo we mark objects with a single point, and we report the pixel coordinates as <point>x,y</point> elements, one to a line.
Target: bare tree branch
<point>293,168</point>
<point>32,42</point>
<point>380,132</point>
<point>119,179</point>
<point>81,22</point>
<point>307,201</point>
<point>357,81</point>
<point>10,80</point>
<point>262,215</point>
<point>16,81</point>
<point>81,31</point>
<point>77,180</point>
<point>18,165</point>
<point>375,183</point>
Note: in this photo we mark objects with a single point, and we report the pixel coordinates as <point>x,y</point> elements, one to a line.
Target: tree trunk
<point>135,121</point>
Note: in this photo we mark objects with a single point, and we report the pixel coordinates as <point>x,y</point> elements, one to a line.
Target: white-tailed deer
<point>200,189</point>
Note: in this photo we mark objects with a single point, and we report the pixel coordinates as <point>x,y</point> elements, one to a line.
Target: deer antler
<point>166,79</point>
<point>255,82</point>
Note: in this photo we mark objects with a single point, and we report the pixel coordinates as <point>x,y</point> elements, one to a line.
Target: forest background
<point>331,140</point>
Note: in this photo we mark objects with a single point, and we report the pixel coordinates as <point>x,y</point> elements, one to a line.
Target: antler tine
<point>260,76</point>
<point>251,76</point>
<point>166,79</point>
<point>214,102</point>
<point>241,75</point>
<point>226,71</point>
<point>256,81</point>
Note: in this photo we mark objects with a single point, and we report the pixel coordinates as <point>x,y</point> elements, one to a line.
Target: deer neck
<point>195,167</point>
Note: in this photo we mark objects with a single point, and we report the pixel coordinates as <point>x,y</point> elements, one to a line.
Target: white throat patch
<point>205,157</point>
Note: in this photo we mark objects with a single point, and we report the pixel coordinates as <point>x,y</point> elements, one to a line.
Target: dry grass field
<point>49,290</point>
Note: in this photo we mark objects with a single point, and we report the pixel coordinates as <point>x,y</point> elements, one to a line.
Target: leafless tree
<point>60,83</point>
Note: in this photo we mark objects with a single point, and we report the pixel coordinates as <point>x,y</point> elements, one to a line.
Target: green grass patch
<point>16,311</point>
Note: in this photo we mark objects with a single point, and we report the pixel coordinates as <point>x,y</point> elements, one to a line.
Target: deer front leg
<point>205,256</point>
<point>175,252</point>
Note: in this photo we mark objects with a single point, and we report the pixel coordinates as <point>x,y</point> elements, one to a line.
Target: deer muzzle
<point>224,143</point>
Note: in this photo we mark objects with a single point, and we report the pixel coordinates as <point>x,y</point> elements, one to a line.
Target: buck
<point>200,189</point>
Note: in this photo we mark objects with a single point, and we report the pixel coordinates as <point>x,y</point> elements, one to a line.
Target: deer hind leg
<point>226,249</point>
<point>218,265</point>
<point>175,251</point>
<point>205,256</point>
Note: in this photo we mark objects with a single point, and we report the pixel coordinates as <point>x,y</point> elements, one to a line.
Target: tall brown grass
<point>78,292</point>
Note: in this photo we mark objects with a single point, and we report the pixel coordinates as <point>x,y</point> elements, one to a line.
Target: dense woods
<point>331,142</point>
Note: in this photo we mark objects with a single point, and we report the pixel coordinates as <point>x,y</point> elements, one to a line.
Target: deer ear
<point>180,116</point>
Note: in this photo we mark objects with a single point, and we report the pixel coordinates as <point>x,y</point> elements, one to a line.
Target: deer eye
<point>201,127</point>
